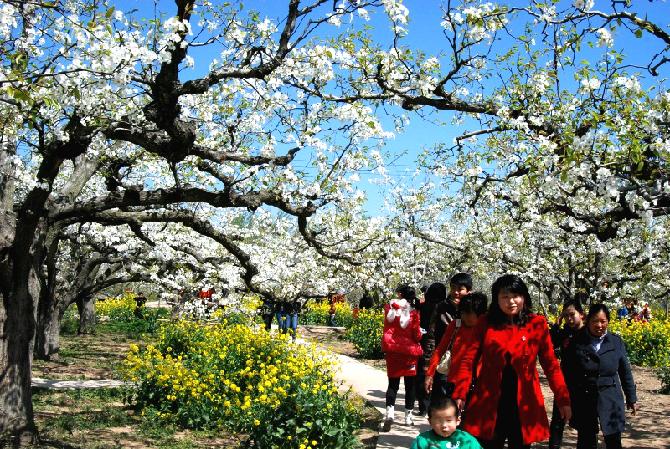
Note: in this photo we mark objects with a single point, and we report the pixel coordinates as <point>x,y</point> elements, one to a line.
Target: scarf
<point>399,308</point>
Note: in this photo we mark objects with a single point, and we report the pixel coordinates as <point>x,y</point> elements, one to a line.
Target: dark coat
<point>441,314</point>
<point>595,382</point>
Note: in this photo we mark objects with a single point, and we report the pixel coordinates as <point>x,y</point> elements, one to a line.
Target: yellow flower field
<point>245,380</point>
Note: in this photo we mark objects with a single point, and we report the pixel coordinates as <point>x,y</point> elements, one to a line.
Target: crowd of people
<point>473,368</point>
<point>286,313</point>
<point>631,311</point>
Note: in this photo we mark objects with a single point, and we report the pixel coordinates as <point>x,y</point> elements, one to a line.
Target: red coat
<point>462,341</point>
<point>401,347</point>
<point>525,344</point>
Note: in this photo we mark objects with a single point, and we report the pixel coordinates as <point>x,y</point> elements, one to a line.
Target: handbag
<point>443,366</point>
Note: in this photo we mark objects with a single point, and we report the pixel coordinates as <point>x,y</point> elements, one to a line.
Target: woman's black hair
<point>473,302</point>
<point>576,303</point>
<point>436,293</point>
<point>513,284</point>
<point>406,292</point>
<point>597,308</point>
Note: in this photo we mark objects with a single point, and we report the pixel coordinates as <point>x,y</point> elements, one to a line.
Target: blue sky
<point>424,33</point>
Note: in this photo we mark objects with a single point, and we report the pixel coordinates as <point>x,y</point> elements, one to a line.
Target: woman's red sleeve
<point>462,371</point>
<point>441,348</point>
<point>551,367</point>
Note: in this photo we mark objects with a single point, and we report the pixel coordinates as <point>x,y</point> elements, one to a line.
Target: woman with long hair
<point>507,403</point>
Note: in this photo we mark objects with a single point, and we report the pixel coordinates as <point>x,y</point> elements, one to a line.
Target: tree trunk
<point>47,337</point>
<point>17,320</point>
<point>86,307</point>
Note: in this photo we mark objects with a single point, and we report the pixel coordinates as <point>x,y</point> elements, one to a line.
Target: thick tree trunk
<point>17,320</point>
<point>47,337</point>
<point>86,307</point>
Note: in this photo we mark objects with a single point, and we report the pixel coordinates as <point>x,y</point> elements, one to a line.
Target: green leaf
<point>109,12</point>
<point>638,33</point>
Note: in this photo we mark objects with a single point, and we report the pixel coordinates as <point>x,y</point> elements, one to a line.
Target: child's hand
<point>428,384</point>
<point>566,412</point>
<point>632,406</point>
<point>460,403</point>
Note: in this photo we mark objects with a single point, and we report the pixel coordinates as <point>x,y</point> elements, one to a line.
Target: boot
<point>390,411</point>
<point>409,419</point>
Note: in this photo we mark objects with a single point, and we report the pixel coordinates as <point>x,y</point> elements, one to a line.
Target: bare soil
<point>90,357</point>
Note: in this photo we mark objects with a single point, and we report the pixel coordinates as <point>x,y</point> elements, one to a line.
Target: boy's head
<point>472,306</point>
<point>460,285</point>
<point>443,416</point>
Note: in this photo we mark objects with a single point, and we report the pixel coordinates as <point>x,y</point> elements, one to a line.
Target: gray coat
<point>596,380</point>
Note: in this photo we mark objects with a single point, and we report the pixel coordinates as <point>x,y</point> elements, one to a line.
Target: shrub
<point>69,324</point>
<point>648,344</point>
<point>116,308</point>
<point>366,333</point>
<point>119,316</point>
<point>663,373</point>
<point>319,313</point>
<point>248,381</point>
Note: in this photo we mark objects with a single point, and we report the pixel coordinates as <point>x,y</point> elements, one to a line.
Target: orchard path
<point>371,383</point>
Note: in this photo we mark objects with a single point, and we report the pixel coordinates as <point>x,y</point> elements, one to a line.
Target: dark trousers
<point>392,391</point>
<point>267,320</point>
<point>556,428</point>
<point>419,387</point>
<point>588,440</point>
<point>441,388</point>
<point>508,424</point>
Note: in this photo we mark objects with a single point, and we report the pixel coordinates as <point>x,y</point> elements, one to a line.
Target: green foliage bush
<point>663,373</point>
<point>318,313</point>
<point>365,333</point>
<point>69,324</point>
<point>648,344</point>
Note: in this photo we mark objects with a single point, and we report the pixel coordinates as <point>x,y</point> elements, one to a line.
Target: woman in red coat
<point>507,403</point>
<point>402,349</point>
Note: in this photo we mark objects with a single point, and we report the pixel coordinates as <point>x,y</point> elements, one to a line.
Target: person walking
<point>562,333</point>
<point>457,338</point>
<point>597,369</point>
<point>402,349</point>
<point>506,404</point>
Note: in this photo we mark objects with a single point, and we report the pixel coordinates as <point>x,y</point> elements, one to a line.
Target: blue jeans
<point>281,321</point>
<point>291,323</point>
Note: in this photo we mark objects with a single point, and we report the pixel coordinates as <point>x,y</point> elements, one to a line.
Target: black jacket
<point>441,314</point>
<point>561,336</point>
<point>595,381</point>
<point>445,312</point>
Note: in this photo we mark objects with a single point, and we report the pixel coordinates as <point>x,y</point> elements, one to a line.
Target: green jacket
<point>459,439</point>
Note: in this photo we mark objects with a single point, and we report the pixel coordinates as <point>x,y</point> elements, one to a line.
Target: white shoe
<point>390,412</point>
<point>409,419</point>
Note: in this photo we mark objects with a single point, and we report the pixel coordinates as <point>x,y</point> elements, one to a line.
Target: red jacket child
<point>525,343</point>
<point>400,341</point>
<point>462,341</point>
